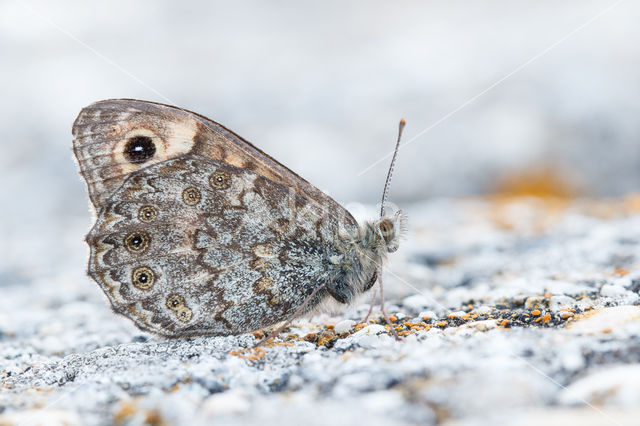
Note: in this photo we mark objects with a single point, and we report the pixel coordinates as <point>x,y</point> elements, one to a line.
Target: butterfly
<point>198,232</point>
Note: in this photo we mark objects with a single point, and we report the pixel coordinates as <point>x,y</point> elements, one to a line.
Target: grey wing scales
<point>193,246</point>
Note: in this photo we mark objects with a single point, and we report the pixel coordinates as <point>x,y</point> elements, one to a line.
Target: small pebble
<point>416,302</point>
<point>561,302</point>
<point>483,325</point>
<point>613,290</point>
<point>371,329</point>
<point>427,314</point>
<point>535,302</point>
<point>344,326</point>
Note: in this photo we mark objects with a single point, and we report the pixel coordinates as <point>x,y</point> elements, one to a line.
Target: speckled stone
<point>495,322</point>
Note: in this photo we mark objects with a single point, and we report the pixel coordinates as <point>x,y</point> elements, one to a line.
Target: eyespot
<point>191,196</point>
<point>139,149</point>
<point>220,179</point>
<point>175,302</point>
<point>147,213</point>
<point>183,314</point>
<point>143,277</point>
<point>137,242</point>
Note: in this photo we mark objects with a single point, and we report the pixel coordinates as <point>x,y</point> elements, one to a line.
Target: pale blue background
<point>320,86</point>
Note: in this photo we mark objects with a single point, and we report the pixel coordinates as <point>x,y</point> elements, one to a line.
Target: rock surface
<point>511,311</point>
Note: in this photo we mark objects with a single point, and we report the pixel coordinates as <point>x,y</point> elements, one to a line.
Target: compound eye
<point>386,229</point>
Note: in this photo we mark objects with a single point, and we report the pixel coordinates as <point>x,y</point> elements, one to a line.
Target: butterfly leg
<point>384,310</point>
<point>373,301</point>
<point>306,301</point>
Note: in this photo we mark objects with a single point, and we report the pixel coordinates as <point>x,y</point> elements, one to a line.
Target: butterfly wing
<point>193,246</point>
<point>114,138</point>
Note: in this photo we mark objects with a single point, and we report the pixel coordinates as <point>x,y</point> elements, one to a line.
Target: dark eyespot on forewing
<point>139,149</point>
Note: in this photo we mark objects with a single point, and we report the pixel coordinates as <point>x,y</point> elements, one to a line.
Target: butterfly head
<point>390,229</point>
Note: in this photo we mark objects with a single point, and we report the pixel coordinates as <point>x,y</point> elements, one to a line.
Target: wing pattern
<point>193,246</point>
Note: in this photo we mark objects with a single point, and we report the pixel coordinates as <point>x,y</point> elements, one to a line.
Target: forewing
<point>114,138</point>
<point>192,246</point>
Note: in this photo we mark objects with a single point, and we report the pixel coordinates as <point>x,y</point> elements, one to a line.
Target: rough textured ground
<point>510,309</point>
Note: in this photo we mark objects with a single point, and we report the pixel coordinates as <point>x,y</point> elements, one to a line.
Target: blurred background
<point>497,95</point>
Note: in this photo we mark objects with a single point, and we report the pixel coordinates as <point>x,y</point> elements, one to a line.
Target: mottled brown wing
<point>193,246</point>
<point>114,138</point>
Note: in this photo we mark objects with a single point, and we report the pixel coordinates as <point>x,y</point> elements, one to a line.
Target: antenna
<point>393,163</point>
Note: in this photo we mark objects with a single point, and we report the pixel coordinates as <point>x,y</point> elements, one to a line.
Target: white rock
<point>613,290</point>
<point>371,341</point>
<point>616,385</point>
<point>229,403</point>
<point>561,302</point>
<point>415,302</point>
<point>482,325</point>
<point>604,320</point>
<point>625,281</point>
<point>370,329</point>
<point>344,326</point>
<point>428,314</point>
<point>572,360</point>
<point>40,417</point>
<point>482,309</point>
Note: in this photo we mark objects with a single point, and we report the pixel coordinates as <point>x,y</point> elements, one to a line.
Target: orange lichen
<point>566,315</point>
<point>326,337</point>
<point>393,318</point>
<point>550,191</point>
<point>620,272</point>
<point>535,312</point>
<point>503,323</point>
<point>546,318</point>
<point>127,409</point>
<point>632,203</point>
<point>442,324</point>
<point>540,182</point>
<point>154,418</point>
<point>254,354</point>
